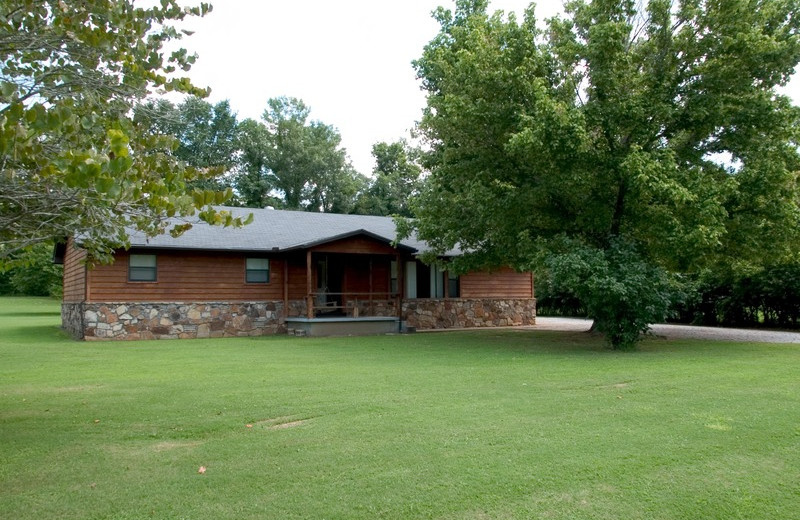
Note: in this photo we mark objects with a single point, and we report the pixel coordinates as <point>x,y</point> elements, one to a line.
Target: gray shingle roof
<point>278,230</point>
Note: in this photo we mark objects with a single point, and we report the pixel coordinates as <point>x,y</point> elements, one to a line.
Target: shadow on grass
<point>35,334</point>
<point>30,314</point>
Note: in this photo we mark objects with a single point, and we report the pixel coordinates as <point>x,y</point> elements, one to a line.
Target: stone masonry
<point>172,320</point>
<point>129,321</point>
<point>466,313</point>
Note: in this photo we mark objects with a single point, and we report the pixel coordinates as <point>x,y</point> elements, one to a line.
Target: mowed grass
<point>462,425</point>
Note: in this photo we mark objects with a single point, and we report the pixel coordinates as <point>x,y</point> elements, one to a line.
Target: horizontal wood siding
<point>74,274</point>
<point>358,245</point>
<point>185,277</point>
<point>297,278</point>
<point>504,283</point>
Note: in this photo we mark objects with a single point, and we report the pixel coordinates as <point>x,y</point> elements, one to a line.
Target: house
<point>288,271</point>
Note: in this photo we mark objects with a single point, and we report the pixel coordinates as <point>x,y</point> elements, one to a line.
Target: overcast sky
<point>348,60</point>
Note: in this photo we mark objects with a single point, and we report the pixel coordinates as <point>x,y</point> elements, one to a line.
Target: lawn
<point>461,425</point>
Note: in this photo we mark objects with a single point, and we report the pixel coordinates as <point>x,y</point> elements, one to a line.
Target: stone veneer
<point>216,320</point>
<point>172,320</point>
<point>466,313</point>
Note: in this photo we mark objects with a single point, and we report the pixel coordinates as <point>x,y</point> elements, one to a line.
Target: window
<point>257,270</point>
<point>142,268</point>
<point>393,288</point>
<point>452,285</point>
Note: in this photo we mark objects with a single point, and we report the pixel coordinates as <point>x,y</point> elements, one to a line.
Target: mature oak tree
<point>625,141</point>
<point>72,161</point>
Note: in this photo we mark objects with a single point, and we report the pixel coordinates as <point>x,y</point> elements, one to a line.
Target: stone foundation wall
<point>466,313</point>
<point>172,320</point>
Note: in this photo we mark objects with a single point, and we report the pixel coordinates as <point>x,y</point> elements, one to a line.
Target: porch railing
<point>353,304</point>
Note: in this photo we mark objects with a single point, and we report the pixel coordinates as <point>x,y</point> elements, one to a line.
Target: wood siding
<point>362,245</point>
<point>185,277</point>
<point>504,283</point>
<point>74,274</point>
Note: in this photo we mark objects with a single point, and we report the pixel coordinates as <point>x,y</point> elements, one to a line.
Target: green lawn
<point>464,425</point>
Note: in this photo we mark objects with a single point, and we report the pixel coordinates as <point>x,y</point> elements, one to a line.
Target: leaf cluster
<point>72,160</point>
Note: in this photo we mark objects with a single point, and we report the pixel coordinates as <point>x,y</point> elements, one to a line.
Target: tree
<point>298,158</point>
<point>647,141</point>
<point>396,178</point>
<point>73,161</point>
<point>206,134</point>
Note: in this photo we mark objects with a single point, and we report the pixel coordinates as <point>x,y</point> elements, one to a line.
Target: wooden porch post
<point>401,285</point>
<point>371,309</point>
<point>285,288</point>
<point>309,296</point>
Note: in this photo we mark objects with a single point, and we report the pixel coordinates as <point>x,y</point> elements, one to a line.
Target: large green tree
<point>206,134</point>
<point>626,141</point>
<point>396,178</point>
<point>72,160</point>
<point>299,159</point>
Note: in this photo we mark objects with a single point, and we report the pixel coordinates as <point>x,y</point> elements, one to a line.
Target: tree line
<point>284,160</point>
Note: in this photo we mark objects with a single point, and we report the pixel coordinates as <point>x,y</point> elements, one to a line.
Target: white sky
<point>348,60</point>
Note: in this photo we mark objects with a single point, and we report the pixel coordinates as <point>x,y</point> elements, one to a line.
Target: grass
<point>463,425</point>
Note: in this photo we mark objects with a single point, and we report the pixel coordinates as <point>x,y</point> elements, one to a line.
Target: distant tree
<point>396,178</point>
<point>33,273</point>
<point>206,135</point>
<point>72,160</point>
<point>301,160</point>
<point>627,141</point>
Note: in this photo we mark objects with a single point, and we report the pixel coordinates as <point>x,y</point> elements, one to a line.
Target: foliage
<point>207,135</point>
<point>72,161</point>
<point>299,159</point>
<point>620,290</point>
<point>768,296</point>
<point>554,425</point>
<point>396,178</point>
<point>655,124</point>
<point>33,273</point>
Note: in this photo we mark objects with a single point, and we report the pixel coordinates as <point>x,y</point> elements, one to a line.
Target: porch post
<point>371,310</point>
<point>401,285</point>
<point>285,288</point>
<point>309,296</point>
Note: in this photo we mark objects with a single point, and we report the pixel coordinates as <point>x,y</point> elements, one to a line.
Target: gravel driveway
<point>679,331</point>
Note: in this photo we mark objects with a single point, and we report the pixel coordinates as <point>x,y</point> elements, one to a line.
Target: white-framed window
<point>142,268</point>
<point>257,270</point>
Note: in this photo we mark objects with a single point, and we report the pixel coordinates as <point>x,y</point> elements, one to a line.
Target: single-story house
<point>289,271</point>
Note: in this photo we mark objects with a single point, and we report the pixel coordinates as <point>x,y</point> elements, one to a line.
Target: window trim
<point>140,269</point>
<point>248,270</point>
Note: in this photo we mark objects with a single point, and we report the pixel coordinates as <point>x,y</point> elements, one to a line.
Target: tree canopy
<point>396,178</point>
<point>72,160</point>
<point>626,141</point>
<point>300,159</point>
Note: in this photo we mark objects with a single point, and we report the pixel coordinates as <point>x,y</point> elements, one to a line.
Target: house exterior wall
<point>74,273</point>
<point>425,314</point>
<point>196,277</point>
<point>505,283</point>
<point>204,294</point>
<point>163,320</point>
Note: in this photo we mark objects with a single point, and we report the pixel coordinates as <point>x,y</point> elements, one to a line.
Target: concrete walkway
<point>678,331</point>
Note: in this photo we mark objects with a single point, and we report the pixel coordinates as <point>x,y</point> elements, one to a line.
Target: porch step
<point>343,326</point>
